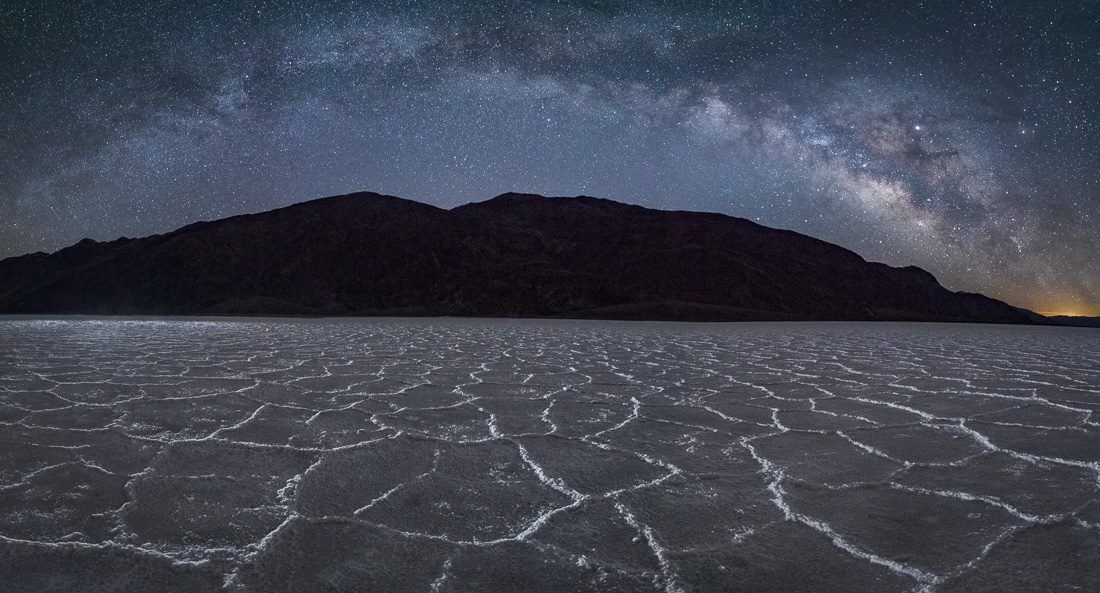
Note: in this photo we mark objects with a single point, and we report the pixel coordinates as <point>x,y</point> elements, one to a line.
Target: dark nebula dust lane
<point>494,455</point>
<point>961,137</point>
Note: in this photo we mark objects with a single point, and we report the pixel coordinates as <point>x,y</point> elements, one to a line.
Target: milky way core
<point>961,137</point>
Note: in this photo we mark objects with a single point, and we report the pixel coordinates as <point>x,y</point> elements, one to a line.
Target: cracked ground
<point>491,455</point>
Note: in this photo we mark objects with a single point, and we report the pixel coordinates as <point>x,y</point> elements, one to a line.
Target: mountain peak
<point>510,197</point>
<point>513,195</point>
<point>372,254</point>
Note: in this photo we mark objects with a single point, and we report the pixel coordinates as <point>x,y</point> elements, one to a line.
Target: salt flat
<point>497,455</point>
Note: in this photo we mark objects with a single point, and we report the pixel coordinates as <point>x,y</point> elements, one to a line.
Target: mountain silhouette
<point>513,255</point>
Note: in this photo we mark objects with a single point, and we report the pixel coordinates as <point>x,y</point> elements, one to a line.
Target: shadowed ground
<point>491,455</point>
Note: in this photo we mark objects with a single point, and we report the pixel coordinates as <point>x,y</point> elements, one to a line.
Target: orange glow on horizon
<point>1070,305</point>
<point>1070,311</point>
<point>1067,314</point>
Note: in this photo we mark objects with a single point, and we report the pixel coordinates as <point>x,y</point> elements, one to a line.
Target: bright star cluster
<point>963,137</point>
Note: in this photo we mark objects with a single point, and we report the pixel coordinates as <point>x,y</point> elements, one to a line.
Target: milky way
<point>961,137</point>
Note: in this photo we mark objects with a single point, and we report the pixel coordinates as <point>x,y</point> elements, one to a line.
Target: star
<point>914,134</point>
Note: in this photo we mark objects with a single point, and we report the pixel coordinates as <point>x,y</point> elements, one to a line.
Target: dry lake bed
<point>492,455</point>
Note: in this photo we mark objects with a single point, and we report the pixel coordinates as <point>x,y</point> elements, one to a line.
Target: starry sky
<point>963,137</point>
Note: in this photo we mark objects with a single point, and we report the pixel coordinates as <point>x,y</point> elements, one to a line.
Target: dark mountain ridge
<point>513,255</point>
<point>1075,320</point>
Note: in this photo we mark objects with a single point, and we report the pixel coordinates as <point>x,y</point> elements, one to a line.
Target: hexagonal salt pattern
<point>496,455</point>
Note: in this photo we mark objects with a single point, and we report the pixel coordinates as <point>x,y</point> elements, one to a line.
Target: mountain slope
<point>513,255</point>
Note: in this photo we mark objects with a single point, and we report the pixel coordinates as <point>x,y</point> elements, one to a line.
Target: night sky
<point>960,137</point>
